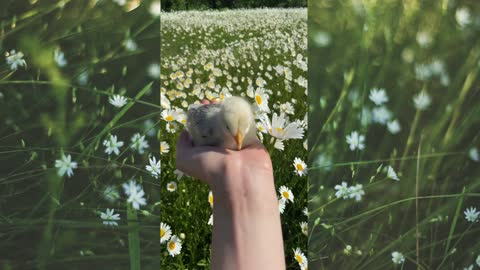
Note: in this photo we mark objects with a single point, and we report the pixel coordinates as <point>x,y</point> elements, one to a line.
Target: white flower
<point>110,193</point>
<point>392,174</point>
<point>305,211</point>
<point>471,214</point>
<point>393,126</point>
<point>304,227</point>
<point>109,218</point>
<point>300,167</point>
<point>278,145</point>
<point>139,143</point>
<point>397,257</point>
<point>478,260</point>
<point>118,101</point>
<point>473,154</point>
<point>59,58</point>
<point>210,198</point>
<point>131,187</point>
<point>210,220</point>
<point>462,15</point>
<point>356,141</point>
<point>299,256</point>
<point>381,115</point>
<point>169,115</point>
<point>356,192</point>
<point>470,267</point>
<point>112,145</point>
<point>279,128</point>
<point>130,45</point>
<point>65,165</point>
<point>154,71</point>
<point>281,205</point>
<point>424,39</point>
<point>287,108</point>
<point>179,174</point>
<point>261,99</point>
<point>378,96</point>
<point>286,193</point>
<point>164,147</point>
<point>342,191</point>
<point>15,60</point>
<point>422,100</point>
<point>172,186</point>
<point>174,246</point>
<point>136,198</point>
<point>321,38</point>
<point>155,8</point>
<point>165,232</point>
<point>154,167</point>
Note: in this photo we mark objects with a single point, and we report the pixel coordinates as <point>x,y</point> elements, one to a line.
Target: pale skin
<point>247,232</point>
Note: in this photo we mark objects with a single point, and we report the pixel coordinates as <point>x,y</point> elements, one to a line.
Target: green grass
<point>354,47</point>
<point>48,221</point>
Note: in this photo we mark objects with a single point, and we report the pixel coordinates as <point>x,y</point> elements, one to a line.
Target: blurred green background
<point>51,222</point>
<point>403,47</point>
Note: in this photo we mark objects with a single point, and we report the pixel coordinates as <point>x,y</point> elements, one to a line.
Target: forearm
<point>247,230</point>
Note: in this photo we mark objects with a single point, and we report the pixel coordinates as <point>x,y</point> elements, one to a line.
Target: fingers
<point>204,101</point>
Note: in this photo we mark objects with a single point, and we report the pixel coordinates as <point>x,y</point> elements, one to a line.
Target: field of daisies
<point>261,55</point>
<point>394,136</point>
<point>79,143</point>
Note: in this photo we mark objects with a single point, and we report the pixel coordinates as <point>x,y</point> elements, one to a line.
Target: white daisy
<point>169,115</point>
<point>131,186</point>
<point>174,246</point>
<point>110,193</point>
<point>261,99</point>
<point>118,101</point>
<point>210,198</point>
<point>155,8</point>
<point>109,218</point>
<point>210,220</point>
<point>300,167</point>
<point>381,115</point>
<point>172,186</point>
<point>164,147</point>
<point>281,205</point>
<point>299,256</point>
<point>473,154</point>
<point>65,165</point>
<point>286,193</point>
<point>165,232</point>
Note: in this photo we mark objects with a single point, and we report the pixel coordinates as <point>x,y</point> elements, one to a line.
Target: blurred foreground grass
<point>77,55</point>
<point>425,56</point>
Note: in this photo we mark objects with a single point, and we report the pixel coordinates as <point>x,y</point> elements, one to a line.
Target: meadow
<point>261,55</point>
<point>394,135</point>
<point>79,105</point>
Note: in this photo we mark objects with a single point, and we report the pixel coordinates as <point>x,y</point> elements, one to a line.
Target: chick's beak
<point>239,140</point>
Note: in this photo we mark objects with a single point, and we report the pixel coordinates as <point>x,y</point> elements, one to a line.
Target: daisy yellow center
<point>299,167</point>
<point>258,99</point>
<point>298,258</point>
<point>162,232</point>
<point>171,245</point>
<point>161,148</point>
<point>279,129</point>
<point>210,199</point>
<point>285,194</point>
<point>170,186</point>
<point>169,118</point>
